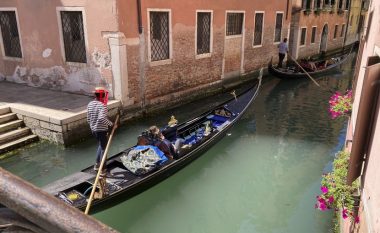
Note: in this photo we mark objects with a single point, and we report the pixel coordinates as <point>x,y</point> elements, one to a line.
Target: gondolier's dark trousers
<point>101,137</point>
<point>281,57</point>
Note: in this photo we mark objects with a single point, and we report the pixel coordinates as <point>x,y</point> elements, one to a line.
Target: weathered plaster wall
<point>43,64</point>
<point>186,71</point>
<point>352,30</point>
<point>370,199</point>
<point>319,21</point>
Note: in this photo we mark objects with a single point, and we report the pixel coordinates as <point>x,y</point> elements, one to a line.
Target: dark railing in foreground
<point>31,209</point>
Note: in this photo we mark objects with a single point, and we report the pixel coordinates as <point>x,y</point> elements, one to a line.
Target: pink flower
<point>357,219</point>
<point>322,206</point>
<point>330,200</point>
<point>344,213</point>
<point>324,189</point>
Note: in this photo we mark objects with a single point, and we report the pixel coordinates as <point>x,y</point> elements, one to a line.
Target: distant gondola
<point>323,66</point>
<point>122,183</point>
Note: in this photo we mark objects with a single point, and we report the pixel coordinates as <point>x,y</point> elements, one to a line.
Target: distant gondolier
<point>98,120</point>
<point>282,51</point>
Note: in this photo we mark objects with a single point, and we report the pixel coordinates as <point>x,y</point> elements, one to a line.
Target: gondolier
<point>282,51</point>
<point>98,120</point>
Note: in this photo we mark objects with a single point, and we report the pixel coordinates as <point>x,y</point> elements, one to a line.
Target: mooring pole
<point>44,210</point>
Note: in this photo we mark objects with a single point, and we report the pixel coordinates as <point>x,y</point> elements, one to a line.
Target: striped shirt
<point>97,116</point>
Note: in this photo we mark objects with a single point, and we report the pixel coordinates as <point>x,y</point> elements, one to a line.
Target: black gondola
<point>294,72</point>
<point>122,184</point>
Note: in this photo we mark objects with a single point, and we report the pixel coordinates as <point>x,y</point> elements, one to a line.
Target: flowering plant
<point>336,194</point>
<point>340,104</point>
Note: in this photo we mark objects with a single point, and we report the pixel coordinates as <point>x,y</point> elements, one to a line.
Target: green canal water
<point>261,178</point>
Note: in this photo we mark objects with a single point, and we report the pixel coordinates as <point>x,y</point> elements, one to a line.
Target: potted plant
<point>336,193</point>
<point>317,11</point>
<point>340,105</point>
<point>307,11</point>
<point>340,11</point>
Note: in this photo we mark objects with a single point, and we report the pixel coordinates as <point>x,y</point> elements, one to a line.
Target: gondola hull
<point>289,74</point>
<point>130,184</point>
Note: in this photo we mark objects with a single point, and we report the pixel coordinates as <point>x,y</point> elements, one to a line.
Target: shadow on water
<point>261,178</point>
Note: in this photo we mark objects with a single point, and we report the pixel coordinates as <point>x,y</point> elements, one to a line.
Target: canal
<point>263,177</point>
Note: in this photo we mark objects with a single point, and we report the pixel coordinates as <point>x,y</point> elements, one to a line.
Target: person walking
<point>282,51</point>
<point>98,120</point>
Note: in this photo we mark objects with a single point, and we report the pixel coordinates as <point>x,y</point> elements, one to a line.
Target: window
<point>342,31</point>
<point>306,4</point>
<point>335,31</point>
<point>347,4</point>
<point>303,36</point>
<point>340,4</point>
<point>329,3</point>
<point>203,32</point>
<point>159,35</point>
<point>73,36</point>
<point>234,23</point>
<point>278,29</point>
<point>317,4</point>
<point>258,33</point>
<point>9,32</point>
<point>313,33</point>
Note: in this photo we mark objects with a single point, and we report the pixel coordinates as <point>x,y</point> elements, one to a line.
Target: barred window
<point>342,31</point>
<point>203,32</point>
<point>159,35</point>
<point>234,24</point>
<point>340,4</point>
<point>73,36</point>
<point>306,4</point>
<point>303,36</point>
<point>278,29</point>
<point>258,33</point>
<point>335,31</point>
<point>347,4</point>
<point>313,33</point>
<point>317,4</point>
<point>9,32</point>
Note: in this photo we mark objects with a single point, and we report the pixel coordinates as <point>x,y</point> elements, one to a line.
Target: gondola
<point>294,72</point>
<point>122,183</point>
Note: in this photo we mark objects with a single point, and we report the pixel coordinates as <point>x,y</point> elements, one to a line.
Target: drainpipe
<point>140,28</point>
<point>141,56</point>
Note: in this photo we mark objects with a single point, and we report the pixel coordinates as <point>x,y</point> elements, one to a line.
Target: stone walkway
<point>54,111</point>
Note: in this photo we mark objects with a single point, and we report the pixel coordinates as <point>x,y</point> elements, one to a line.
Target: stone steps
<point>13,133</point>
<point>18,143</point>
<point>7,117</point>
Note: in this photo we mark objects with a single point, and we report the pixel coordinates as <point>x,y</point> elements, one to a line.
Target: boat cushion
<point>143,159</point>
<point>217,120</point>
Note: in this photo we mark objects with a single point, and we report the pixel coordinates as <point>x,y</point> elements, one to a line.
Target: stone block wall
<point>65,131</point>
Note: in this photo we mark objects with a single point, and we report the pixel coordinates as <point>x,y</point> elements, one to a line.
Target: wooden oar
<point>315,82</point>
<point>101,166</point>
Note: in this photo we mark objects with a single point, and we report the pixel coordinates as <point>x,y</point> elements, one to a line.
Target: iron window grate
<point>73,36</point>
<point>303,36</point>
<point>234,24</point>
<point>343,29</point>
<point>159,35</point>
<point>258,35</point>
<point>278,30</point>
<point>9,31</point>
<point>335,31</point>
<point>313,33</point>
<point>203,32</point>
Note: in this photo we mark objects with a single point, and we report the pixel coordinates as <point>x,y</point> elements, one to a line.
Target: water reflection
<point>262,178</point>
